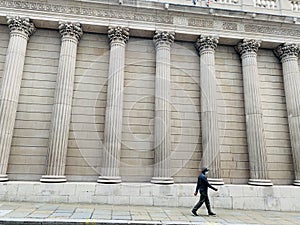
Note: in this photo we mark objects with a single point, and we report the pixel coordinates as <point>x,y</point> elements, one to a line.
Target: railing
<point>295,6</point>
<point>276,5</point>
<point>268,4</point>
<point>228,1</point>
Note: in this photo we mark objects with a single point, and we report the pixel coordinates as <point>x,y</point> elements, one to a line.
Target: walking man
<point>202,186</point>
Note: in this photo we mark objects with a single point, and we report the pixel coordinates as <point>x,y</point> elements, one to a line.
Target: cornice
<point>264,29</point>
<point>106,10</point>
<point>92,9</point>
<point>180,19</point>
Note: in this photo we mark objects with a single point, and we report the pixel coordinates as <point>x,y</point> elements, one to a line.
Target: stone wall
<point>280,162</point>
<point>88,111</point>
<point>137,154</point>
<point>4,36</point>
<point>185,103</point>
<point>232,121</point>
<point>278,198</point>
<point>245,110</point>
<point>29,146</point>
<point>27,159</point>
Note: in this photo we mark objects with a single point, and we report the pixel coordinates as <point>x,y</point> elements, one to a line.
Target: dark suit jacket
<point>203,185</point>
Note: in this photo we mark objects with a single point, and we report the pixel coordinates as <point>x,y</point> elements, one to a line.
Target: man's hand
<point>195,194</point>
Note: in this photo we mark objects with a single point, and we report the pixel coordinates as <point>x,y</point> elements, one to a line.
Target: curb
<point>32,221</point>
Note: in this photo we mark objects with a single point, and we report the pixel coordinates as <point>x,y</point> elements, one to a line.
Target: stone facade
<point>278,198</point>
<point>150,92</point>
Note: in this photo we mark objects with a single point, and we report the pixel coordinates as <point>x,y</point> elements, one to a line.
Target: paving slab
<point>95,214</point>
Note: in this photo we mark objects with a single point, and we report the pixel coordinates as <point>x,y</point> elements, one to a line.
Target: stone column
<point>253,110</point>
<point>206,46</point>
<point>118,37</point>
<point>59,132</point>
<point>162,127</point>
<point>288,54</point>
<point>20,31</point>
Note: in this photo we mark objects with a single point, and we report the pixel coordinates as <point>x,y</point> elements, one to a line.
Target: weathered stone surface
<point>20,31</point>
<point>135,158</point>
<point>253,110</point>
<point>283,198</point>
<point>206,46</point>
<point>162,133</point>
<point>288,54</point>
<point>118,37</point>
<point>60,123</point>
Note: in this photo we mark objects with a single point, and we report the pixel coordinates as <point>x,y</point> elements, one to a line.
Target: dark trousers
<point>203,198</point>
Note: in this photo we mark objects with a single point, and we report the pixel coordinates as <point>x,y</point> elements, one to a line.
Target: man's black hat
<point>204,169</point>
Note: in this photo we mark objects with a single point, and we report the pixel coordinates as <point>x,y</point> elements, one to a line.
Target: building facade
<point>127,96</point>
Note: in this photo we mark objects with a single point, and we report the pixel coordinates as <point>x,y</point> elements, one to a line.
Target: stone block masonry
<point>137,155</point>
<point>149,94</point>
<point>278,198</point>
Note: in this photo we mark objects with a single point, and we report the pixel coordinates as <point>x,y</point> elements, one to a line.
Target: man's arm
<point>215,189</point>
<point>197,187</point>
<point>209,185</point>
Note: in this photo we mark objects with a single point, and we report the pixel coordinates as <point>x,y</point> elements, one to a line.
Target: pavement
<point>93,214</point>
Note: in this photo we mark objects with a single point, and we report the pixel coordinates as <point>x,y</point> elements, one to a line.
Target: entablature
<point>144,17</point>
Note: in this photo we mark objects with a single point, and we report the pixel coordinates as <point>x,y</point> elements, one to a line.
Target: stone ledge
<point>277,198</point>
<point>147,16</point>
<point>32,221</point>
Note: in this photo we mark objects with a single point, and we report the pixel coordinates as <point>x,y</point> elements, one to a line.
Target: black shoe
<point>212,214</point>
<point>194,213</point>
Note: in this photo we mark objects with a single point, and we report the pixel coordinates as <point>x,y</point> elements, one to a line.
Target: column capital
<point>247,46</point>
<point>206,43</point>
<point>287,50</point>
<point>20,24</point>
<point>69,29</point>
<point>119,34</point>
<point>163,38</point>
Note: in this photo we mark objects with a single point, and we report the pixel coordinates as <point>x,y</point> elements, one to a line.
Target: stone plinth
<point>246,197</point>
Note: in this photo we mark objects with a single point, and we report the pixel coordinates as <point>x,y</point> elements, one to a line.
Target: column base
<point>3,178</point>
<point>216,181</point>
<point>260,182</point>
<point>109,179</point>
<point>162,180</point>
<point>296,182</point>
<point>53,179</point>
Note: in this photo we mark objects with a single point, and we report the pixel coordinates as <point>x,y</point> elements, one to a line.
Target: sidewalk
<point>59,214</point>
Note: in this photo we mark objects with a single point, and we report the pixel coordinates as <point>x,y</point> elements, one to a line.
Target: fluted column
<point>20,31</point>
<point>118,37</point>
<point>288,54</point>
<point>253,110</point>
<point>162,127</point>
<point>206,46</point>
<point>59,133</point>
